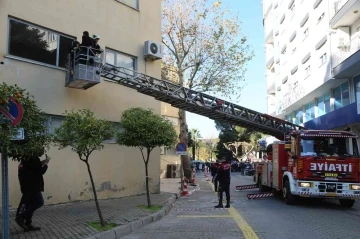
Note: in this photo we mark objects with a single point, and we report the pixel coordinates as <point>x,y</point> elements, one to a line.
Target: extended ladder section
<point>199,103</point>
<point>85,67</point>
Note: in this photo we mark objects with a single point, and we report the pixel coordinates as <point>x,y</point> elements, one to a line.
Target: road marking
<point>205,216</point>
<point>248,232</point>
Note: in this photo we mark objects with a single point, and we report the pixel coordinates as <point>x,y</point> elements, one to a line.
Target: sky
<point>253,95</point>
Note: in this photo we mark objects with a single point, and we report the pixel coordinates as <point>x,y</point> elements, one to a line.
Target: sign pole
<point>5,195</point>
<point>14,115</point>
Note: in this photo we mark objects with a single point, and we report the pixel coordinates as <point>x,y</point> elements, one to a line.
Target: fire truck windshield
<point>334,147</point>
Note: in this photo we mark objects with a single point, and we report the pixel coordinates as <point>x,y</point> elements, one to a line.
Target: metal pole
<point>5,195</point>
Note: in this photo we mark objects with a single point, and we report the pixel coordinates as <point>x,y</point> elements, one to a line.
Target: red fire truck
<point>312,163</point>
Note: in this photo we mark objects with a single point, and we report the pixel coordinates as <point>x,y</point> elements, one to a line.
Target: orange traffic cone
<point>184,190</point>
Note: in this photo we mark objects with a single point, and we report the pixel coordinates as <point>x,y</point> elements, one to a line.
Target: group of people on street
<point>30,174</point>
<point>220,172</point>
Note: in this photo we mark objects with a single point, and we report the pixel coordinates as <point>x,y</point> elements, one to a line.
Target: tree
<point>194,136</point>
<point>33,123</point>
<point>235,139</point>
<point>84,133</point>
<point>145,130</point>
<point>204,44</point>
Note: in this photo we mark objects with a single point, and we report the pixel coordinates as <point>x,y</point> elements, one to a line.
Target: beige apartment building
<point>124,26</point>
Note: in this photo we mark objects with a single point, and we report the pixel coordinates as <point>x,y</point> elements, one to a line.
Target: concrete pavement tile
<point>106,235</point>
<point>135,225</point>
<point>69,221</point>
<point>122,230</point>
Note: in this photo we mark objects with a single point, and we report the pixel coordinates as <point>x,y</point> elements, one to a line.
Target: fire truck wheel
<point>347,203</point>
<point>289,198</point>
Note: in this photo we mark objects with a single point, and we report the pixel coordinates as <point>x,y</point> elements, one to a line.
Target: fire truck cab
<point>312,163</point>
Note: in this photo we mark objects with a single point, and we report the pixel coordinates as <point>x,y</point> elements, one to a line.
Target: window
<point>357,90</point>
<point>323,59</point>
<point>289,118</point>
<point>292,9</point>
<point>55,122</point>
<point>115,58</point>
<point>307,71</point>
<point>324,104</point>
<point>321,17</point>
<point>310,111</point>
<point>299,119</point>
<point>173,120</point>
<point>325,146</point>
<point>38,44</point>
<point>341,95</point>
<point>131,3</point>
<point>306,33</point>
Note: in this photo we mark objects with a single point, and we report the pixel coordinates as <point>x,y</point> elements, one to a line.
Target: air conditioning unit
<point>173,171</point>
<point>153,50</point>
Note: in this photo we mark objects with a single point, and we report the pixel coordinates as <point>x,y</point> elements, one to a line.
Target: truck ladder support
<point>259,195</point>
<point>244,187</point>
<point>197,102</point>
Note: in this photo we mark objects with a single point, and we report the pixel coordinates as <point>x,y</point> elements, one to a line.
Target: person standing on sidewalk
<point>214,169</point>
<point>31,184</point>
<point>223,175</point>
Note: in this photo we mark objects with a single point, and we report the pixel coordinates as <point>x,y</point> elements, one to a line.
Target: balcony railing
<point>346,51</point>
<point>337,6</point>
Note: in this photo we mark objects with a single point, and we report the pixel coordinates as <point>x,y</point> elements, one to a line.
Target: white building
<point>313,62</point>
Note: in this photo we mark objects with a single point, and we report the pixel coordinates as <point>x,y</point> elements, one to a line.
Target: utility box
<point>84,69</point>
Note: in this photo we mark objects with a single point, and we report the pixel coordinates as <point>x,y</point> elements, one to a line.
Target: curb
<point>124,230</point>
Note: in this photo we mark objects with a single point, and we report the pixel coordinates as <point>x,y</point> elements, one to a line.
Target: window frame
<point>61,118</point>
<point>108,49</point>
<point>341,94</point>
<point>321,99</point>
<point>306,33</point>
<point>307,71</point>
<point>322,62</point>
<point>322,16</point>
<point>308,108</point>
<point>59,34</point>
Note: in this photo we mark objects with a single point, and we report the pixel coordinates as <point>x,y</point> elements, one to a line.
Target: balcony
<point>345,13</point>
<point>346,61</point>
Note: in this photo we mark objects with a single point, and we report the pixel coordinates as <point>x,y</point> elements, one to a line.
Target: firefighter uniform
<point>223,175</point>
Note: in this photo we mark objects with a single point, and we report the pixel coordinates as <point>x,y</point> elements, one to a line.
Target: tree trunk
<point>147,185</point>
<point>184,139</point>
<point>95,195</point>
<point>194,151</point>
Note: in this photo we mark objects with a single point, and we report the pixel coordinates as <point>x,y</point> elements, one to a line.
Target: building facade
<point>312,62</point>
<point>33,47</point>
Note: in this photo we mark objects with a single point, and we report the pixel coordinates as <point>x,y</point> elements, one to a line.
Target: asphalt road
<point>194,217</point>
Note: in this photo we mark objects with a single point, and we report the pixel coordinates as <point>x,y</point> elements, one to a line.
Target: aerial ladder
<point>86,68</point>
<point>282,174</point>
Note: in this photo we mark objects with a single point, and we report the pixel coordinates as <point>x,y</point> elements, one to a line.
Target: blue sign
<point>15,113</point>
<point>181,149</point>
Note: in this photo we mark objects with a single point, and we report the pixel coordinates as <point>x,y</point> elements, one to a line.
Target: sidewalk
<point>69,221</point>
<point>194,216</point>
